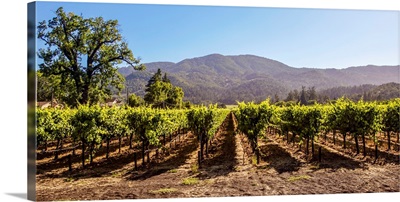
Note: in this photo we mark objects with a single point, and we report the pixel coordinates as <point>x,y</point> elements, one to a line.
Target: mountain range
<point>227,79</point>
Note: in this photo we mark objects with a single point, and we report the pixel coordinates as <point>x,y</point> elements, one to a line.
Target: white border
<point>14,92</point>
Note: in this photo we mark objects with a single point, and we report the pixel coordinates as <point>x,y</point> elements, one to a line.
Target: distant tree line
<point>366,92</point>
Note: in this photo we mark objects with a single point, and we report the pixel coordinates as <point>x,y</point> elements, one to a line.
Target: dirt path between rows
<point>227,171</point>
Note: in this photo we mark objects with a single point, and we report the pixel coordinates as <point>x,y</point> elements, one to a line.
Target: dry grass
<point>300,177</point>
<point>163,191</point>
<point>190,181</point>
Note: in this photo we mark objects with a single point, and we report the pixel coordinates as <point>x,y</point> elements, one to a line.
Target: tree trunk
<point>344,140</point>
<point>308,140</point>
<point>83,153</point>
<point>356,140</point>
<point>148,152</point>
<point>293,137</point>
<point>257,151</point>
<point>199,159</point>
<point>57,148</point>
<point>388,134</point>
<point>119,144</point>
<point>73,147</point>
<point>91,153</point>
<point>45,145</point>
<point>143,146</point>
<point>376,147</point>
<point>101,145</point>
<point>312,145</point>
<point>201,147</point>
<point>85,93</point>
<point>164,139</point>
<point>207,149</point>
<point>130,141</point>
<point>108,147</point>
<point>363,140</point>
<point>287,137</point>
<point>319,154</point>
<point>78,82</point>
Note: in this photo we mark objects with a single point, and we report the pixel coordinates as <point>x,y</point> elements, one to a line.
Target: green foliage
<point>205,121</point>
<point>54,124</point>
<point>390,115</point>
<point>93,124</point>
<point>187,105</point>
<point>44,123</point>
<point>115,122</point>
<point>173,171</point>
<point>84,52</point>
<point>305,120</point>
<point>194,168</point>
<point>221,105</point>
<point>300,177</point>
<point>149,123</point>
<point>366,92</point>
<point>161,93</point>
<point>142,122</point>
<point>54,87</point>
<point>190,181</point>
<point>88,124</point>
<point>135,101</point>
<point>361,118</point>
<point>164,191</point>
<point>253,119</point>
<point>355,118</point>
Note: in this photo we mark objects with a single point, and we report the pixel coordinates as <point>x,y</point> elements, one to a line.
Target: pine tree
<point>312,95</point>
<point>303,100</point>
<point>156,77</point>
<point>290,96</point>
<point>165,78</point>
<point>161,93</point>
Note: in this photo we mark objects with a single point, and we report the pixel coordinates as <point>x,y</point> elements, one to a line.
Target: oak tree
<point>84,51</point>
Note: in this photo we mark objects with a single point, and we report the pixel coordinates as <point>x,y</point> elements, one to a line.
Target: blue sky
<point>317,38</point>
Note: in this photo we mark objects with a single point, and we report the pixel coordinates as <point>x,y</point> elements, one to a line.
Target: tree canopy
<point>85,52</point>
<point>135,101</point>
<point>161,93</point>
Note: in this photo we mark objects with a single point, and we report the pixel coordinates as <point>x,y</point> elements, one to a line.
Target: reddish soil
<point>227,171</point>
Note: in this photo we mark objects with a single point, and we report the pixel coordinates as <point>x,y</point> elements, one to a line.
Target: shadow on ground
<point>18,195</point>
<point>278,158</point>
<point>222,152</point>
<point>184,149</point>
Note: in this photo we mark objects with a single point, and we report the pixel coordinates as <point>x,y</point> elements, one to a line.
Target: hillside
<point>368,92</point>
<point>226,79</point>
